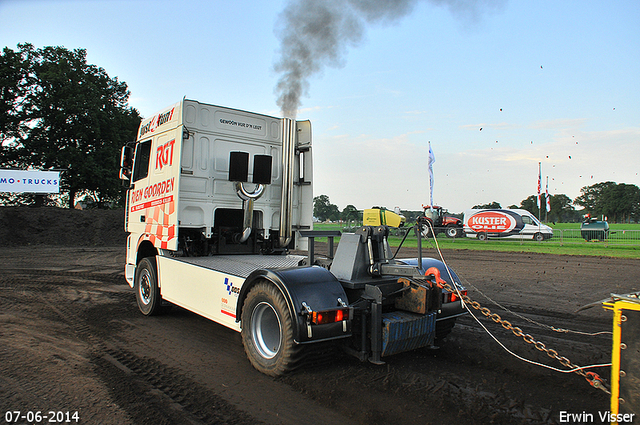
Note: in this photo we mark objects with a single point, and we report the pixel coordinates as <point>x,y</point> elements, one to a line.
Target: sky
<point>496,87</point>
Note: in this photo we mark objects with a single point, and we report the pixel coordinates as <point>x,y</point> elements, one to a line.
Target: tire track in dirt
<point>44,362</point>
<point>175,399</point>
<point>95,312</point>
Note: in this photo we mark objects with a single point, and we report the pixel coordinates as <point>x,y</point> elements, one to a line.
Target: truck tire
<point>453,232</point>
<point>538,237</point>
<point>426,230</point>
<point>482,236</point>
<point>146,287</point>
<point>267,330</point>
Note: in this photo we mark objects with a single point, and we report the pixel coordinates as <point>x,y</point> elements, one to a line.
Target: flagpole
<point>432,159</point>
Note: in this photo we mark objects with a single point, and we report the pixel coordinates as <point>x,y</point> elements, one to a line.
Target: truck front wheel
<point>267,330</point>
<point>146,287</point>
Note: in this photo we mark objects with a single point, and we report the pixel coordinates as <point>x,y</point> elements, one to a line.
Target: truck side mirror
<point>238,166</point>
<point>262,169</point>
<point>126,162</point>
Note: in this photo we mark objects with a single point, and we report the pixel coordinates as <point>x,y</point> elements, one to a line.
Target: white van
<point>497,223</point>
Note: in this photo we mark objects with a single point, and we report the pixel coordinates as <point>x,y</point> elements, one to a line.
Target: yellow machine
<point>377,216</point>
<point>625,358</point>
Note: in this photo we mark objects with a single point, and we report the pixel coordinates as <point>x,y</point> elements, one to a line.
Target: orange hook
<point>435,272</point>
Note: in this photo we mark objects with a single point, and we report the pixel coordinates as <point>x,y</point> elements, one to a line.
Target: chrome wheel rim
<point>144,287</point>
<point>266,330</point>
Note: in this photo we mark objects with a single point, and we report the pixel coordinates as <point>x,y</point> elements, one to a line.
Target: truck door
<point>139,180</point>
<point>152,201</point>
<point>531,225</point>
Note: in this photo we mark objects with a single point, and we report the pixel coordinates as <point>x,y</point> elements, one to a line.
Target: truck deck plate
<point>243,265</point>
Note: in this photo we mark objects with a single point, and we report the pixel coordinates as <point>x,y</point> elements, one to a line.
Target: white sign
<point>29,181</point>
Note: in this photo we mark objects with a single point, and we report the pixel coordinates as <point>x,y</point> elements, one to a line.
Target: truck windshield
<point>530,220</point>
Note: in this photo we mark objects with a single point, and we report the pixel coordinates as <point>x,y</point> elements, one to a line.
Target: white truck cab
<point>181,197</point>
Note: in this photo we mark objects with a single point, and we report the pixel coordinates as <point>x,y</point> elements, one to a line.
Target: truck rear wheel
<point>453,232</point>
<point>267,330</point>
<point>425,228</point>
<point>482,236</point>
<point>146,287</point>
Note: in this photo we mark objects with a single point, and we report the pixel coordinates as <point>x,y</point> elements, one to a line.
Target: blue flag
<point>432,159</point>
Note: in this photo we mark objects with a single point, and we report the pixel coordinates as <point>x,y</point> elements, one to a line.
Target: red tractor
<point>434,217</point>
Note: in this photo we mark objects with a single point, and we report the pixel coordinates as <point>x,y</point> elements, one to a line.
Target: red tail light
<point>329,316</point>
<point>455,297</point>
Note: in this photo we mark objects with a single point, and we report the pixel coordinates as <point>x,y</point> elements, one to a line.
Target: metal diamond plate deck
<point>244,265</point>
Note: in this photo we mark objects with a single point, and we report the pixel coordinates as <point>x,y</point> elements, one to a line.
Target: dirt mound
<point>61,226</point>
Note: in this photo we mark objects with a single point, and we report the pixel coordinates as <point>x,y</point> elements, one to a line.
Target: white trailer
<point>217,200</point>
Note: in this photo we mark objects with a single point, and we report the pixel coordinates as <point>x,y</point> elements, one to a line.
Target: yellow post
<point>625,360</point>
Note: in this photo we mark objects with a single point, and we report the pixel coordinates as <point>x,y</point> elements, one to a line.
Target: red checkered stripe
<point>157,230</point>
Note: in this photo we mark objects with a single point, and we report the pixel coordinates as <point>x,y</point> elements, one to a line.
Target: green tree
<point>562,209</point>
<point>13,86</point>
<point>324,210</point>
<point>531,204</point>
<point>72,117</point>
<point>618,202</point>
<point>592,196</point>
<point>493,205</point>
<point>350,213</point>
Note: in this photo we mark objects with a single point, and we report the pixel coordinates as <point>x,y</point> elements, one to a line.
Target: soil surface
<point>72,340</point>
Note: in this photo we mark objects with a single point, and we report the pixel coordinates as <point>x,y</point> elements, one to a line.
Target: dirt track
<point>73,340</point>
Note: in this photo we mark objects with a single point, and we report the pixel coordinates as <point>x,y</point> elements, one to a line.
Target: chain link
<point>591,377</point>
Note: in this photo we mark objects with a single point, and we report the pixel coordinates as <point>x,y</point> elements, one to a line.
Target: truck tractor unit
<point>219,220</point>
<point>435,218</point>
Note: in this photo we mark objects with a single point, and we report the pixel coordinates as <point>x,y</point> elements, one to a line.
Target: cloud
<point>561,123</point>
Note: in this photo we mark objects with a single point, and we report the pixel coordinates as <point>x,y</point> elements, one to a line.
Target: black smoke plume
<point>317,33</point>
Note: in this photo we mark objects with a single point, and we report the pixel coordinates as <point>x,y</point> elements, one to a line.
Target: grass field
<point>566,241</point>
<point>576,226</point>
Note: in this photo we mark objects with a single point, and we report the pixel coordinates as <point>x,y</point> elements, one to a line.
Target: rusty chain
<point>592,378</point>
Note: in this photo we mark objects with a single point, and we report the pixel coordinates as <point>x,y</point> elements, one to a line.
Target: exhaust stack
<point>288,156</point>
<point>248,199</point>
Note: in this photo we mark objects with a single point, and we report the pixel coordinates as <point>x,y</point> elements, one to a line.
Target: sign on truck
<point>219,215</point>
<point>505,223</point>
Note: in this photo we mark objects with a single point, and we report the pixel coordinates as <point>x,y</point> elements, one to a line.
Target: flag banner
<point>432,159</point>
<point>18,181</point>
<point>539,183</point>
<point>547,196</point>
